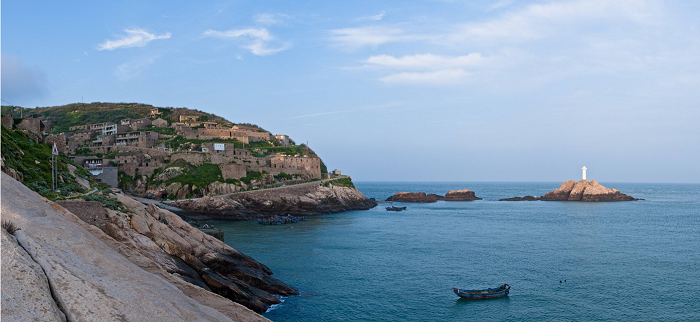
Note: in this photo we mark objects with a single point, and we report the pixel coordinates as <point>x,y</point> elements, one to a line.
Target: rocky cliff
<point>422,197</point>
<point>583,190</point>
<point>144,264</point>
<point>306,199</point>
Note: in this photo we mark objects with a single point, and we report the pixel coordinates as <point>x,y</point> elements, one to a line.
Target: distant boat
<point>392,208</point>
<point>489,293</point>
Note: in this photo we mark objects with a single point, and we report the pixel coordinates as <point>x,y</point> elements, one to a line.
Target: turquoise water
<point>621,261</point>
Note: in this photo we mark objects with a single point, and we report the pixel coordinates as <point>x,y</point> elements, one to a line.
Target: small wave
<point>275,306</point>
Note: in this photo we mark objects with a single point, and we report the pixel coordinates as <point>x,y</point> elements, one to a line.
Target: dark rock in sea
<point>414,197</point>
<point>526,198</point>
<point>422,197</point>
<point>461,195</point>
<point>583,190</point>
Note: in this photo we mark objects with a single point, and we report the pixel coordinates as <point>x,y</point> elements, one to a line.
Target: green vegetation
<point>126,181</point>
<point>342,182</point>
<point>200,176</point>
<point>252,175</point>
<point>31,160</point>
<point>161,130</point>
<point>111,203</point>
<point>283,175</point>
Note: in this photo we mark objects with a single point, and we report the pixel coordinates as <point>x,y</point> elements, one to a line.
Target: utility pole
<point>54,169</point>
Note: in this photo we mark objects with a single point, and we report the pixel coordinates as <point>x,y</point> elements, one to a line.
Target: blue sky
<point>389,90</point>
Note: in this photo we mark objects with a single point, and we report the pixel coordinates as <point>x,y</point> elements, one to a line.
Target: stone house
<point>159,122</point>
<point>310,166</point>
<point>134,157</point>
<point>284,140</point>
<point>184,118</point>
<point>33,125</point>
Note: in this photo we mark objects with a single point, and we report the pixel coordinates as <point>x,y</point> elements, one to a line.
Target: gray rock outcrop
<point>306,199</point>
<point>88,272</point>
<point>422,197</point>
<point>583,190</point>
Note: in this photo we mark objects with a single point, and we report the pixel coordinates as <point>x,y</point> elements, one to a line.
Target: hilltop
<point>63,117</point>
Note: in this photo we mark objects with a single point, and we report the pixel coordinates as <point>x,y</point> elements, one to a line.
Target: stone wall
<point>295,165</point>
<point>7,121</point>
<point>233,171</point>
<point>34,126</point>
<point>191,157</point>
<point>60,141</point>
<point>109,176</point>
<point>129,168</point>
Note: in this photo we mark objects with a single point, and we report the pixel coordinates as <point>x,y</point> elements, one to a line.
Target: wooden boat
<point>392,208</point>
<point>489,293</point>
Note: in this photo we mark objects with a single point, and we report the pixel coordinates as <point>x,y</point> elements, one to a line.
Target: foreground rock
<point>26,295</point>
<point>452,195</point>
<point>583,190</point>
<point>133,276</point>
<point>306,199</point>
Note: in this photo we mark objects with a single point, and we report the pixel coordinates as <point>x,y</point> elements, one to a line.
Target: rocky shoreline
<point>308,199</point>
<point>422,197</point>
<point>584,190</point>
<point>140,263</point>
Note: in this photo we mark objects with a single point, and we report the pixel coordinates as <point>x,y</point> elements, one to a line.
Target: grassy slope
<point>31,160</point>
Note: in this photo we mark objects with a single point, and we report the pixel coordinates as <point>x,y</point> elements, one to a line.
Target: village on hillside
<point>141,153</point>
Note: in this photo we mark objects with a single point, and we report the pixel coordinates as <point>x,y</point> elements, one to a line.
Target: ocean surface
<point>619,261</point>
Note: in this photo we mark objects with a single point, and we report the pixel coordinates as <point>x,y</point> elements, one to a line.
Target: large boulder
<point>583,190</point>
<point>90,280</point>
<point>461,195</point>
<point>26,295</point>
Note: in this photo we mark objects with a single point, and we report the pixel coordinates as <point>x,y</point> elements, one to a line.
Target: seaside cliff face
<point>306,199</point>
<point>145,264</point>
<point>422,197</point>
<point>583,190</point>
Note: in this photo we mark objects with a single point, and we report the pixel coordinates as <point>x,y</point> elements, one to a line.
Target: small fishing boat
<point>392,208</point>
<point>489,293</point>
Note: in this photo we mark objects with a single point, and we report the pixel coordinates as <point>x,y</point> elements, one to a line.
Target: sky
<point>498,90</point>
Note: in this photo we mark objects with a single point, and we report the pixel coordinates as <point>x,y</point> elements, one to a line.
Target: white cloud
<point>500,4</point>
<point>543,20</point>
<point>355,38</point>
<point>259,39</point>
<point>271,18</point>
<point>440,77</point>
<point>426,61</point>
<point>133,38</point>
<point>376,17</point>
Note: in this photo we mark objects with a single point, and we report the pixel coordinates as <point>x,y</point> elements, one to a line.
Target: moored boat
<point>489,293</point>
<point>392,208</point>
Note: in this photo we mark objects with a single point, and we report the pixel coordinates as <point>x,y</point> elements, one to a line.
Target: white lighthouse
<point>584,172</point>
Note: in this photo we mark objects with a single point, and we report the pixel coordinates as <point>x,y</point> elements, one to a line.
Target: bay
<point>616,261</point>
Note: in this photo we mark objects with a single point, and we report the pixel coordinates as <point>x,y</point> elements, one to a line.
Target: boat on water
<point>277,220</point>
<point>489,293</point>
<point>392,208</point>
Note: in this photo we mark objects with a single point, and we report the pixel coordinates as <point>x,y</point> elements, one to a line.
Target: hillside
<point>63,117</point>
<point>163,152</point>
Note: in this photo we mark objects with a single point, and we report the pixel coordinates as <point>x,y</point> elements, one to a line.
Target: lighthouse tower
<point>584,172</point>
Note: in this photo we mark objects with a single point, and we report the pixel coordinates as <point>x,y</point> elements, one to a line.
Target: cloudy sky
<point>422,91</point>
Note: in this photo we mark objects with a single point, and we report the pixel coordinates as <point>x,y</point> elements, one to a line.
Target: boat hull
<point>478,295</point>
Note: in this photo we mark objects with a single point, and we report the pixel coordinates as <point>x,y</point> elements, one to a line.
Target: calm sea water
<point>626,261</point>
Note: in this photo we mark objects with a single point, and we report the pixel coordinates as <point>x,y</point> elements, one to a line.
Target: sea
<point>565,261</point>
